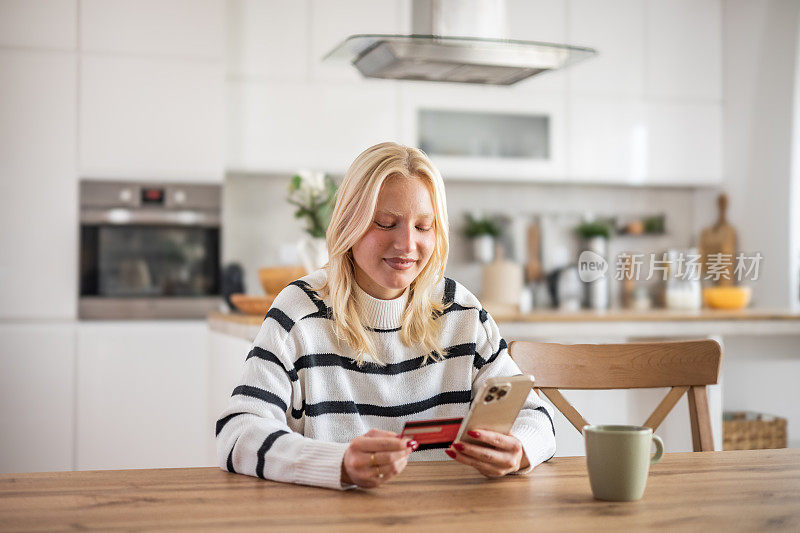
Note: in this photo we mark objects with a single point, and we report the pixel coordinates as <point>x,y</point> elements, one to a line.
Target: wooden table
<point>736,490</point>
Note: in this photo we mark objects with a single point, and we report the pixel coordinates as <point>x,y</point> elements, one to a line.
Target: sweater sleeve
<point>534,425</point>
<point>253,433</point>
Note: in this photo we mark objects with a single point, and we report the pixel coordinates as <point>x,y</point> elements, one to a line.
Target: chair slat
<point>566,408</point>
<point>666,405</point>
<point>619,366</point>
<point>700,419</point>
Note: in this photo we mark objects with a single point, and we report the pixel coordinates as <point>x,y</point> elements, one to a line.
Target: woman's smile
<point>398,263</point>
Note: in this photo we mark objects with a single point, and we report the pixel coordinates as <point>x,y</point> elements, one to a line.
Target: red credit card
<point>437,433</point>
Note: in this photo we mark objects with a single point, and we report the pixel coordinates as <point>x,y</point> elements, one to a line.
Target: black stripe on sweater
<point>229,463</point>
<point>323,311</point>
<point>449,291</point>
<point>222,421</point>
<point>266,355</point>
<point>543,410</point>
<point>479,362</point>
<point>261,394</point>
<point>268,442</point>
<point>323,408</point>
<point>281,318</point>
<point>391,369</point>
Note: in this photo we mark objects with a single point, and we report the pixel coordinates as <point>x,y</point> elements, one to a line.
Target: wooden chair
<point>686,366</point>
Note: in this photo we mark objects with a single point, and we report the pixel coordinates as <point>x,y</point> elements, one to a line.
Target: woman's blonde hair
<point>352,216</point>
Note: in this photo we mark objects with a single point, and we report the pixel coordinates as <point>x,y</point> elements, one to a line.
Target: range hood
<point>459,41</point>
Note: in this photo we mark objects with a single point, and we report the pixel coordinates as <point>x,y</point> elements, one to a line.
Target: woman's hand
<point>505,454</point>
<point>375,457</point>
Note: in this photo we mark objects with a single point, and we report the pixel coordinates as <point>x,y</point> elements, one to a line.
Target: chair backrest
<point>685,366</point>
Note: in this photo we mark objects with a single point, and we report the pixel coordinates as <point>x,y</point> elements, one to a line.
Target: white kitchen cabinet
<point>483,98</point>
<point>645,143</point>
<point>37,387</point>
<point>684,49</point>
<point>141,394</point>
<point>52,24</point>
<point>38,185</point>
<point>185,28</point>
<point>151,118</point>
<point>684,143</point>
<point>268,40</point>
<point>282,127</point>
<point>616,29</point>
<point>608,140</point>
<point>227,355</point>
<point>332,22</point>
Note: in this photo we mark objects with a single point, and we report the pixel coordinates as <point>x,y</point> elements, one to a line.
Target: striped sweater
<point>302,398</point>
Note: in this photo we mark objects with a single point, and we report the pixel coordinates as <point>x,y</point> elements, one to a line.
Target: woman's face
<point>399,241</point>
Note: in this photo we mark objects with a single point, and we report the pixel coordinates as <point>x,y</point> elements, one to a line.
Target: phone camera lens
<point>501,393</point>
<point>493,390</point>
<point>488,398</point>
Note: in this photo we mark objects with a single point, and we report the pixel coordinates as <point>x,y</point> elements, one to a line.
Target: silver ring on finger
<point>378,471</point>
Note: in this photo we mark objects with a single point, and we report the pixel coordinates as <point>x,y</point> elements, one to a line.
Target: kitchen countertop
<point>555,325</point>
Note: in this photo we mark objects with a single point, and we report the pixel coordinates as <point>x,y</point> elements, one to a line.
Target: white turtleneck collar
<point>380,314</point>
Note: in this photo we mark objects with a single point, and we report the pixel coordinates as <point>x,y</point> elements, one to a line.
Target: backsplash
<point>259,228</point>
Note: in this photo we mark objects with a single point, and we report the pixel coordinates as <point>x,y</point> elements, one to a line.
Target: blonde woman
<point>378,337</point>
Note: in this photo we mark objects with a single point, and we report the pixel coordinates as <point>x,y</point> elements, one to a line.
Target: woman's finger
<point>379,444</point>
<point>486,469</point>
<point>372,459</point>
<point>498,440</point>
<point>502,459</point>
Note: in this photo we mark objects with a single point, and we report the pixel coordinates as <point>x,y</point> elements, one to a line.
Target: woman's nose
<point>404,239</point>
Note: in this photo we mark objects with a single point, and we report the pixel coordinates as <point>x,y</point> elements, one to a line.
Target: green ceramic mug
<point>618,460</point>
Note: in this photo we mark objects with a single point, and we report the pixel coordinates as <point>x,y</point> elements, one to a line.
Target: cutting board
<point>719,238</point>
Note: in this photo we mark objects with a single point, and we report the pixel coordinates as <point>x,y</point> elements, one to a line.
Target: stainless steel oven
<point>149,250</point>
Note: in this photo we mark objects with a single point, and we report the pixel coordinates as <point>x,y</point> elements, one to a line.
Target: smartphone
<point>496,406</point>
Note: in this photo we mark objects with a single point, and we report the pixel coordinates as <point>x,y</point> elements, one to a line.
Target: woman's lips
<point>400,264</point>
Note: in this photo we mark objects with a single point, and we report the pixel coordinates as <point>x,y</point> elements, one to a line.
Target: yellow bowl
<point>274,279</point>
<point>726,297</point>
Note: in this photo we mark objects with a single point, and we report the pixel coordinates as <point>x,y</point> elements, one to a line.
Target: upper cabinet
<point>49,25</point>
<point>615,28</point>
<point>684,49</point>
<point>152,90</point>
<point>268,40</point>
<point>485,132</point>
<point>283,127</point>
<point>182,28</point>
<point>648,108</point>
<point>151,118</point>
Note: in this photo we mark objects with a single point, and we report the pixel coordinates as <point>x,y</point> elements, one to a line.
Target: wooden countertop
<point>612,315</point>
<point>716,491</point>
<point>595,326</point>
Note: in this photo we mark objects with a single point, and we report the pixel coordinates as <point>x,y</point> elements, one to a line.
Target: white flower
<point>313,182</point>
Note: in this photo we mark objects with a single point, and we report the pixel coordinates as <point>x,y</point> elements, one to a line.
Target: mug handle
<point>659,450</point>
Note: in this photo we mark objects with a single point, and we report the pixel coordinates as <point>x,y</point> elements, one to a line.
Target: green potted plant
<point>482,232</point>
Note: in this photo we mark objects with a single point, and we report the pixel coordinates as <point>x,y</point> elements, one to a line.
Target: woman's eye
<point>389,226</point>
<point>423,229</point>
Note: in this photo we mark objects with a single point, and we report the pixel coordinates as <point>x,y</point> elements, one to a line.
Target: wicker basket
<point>743,430</point>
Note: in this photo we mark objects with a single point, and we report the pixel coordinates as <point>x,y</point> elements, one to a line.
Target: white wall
<point>760,87</point>
<point>759,46</point>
